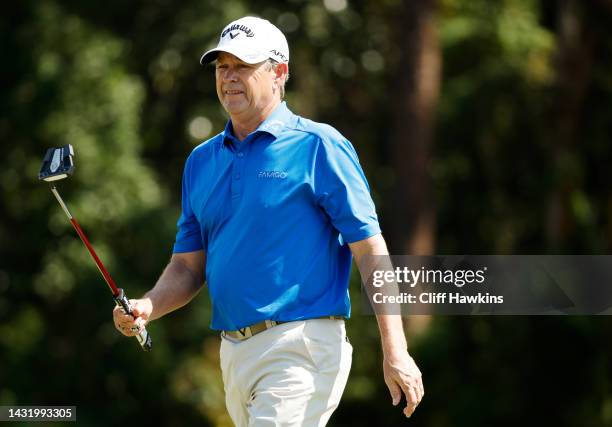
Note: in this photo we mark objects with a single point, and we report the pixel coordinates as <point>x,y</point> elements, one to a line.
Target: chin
<point>234,107</point>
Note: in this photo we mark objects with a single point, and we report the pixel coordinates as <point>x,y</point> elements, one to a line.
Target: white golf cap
<point>252,40</point>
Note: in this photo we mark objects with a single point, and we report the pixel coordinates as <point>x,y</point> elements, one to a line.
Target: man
<point>272,208</point>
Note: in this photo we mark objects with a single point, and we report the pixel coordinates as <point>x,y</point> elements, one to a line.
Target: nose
<point>229,74</point>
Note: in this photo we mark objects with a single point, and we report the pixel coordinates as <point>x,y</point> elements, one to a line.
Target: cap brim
<point>248,57</point>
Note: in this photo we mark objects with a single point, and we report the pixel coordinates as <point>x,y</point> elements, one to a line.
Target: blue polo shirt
<point>274,214</point>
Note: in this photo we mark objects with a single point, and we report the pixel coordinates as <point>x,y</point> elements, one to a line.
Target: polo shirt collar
<point>276,121</point>
<point>273,125</point>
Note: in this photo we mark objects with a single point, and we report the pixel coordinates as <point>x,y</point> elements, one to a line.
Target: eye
<point>221,66</point>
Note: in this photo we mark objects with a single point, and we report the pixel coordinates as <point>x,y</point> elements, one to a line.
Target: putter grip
<point>144,339</point>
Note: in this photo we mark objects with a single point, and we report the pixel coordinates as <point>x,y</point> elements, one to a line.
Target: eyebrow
<point>245,64</point>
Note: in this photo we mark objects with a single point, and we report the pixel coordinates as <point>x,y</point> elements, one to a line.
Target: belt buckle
<point>239,335</point>
<point>244,333</point>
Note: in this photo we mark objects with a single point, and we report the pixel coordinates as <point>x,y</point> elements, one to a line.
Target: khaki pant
<point>290,375</point>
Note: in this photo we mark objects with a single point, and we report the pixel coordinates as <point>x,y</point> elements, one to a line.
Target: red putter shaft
<point>107,277</point>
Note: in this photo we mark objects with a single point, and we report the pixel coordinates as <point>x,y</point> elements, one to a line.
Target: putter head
<point>57,164</point>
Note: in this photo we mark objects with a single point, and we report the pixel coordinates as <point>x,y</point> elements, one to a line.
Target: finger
<point>417,388</point>
<point>125,322</point>
<point>129,332</point>
<point>411,402</point>
<point>128,323</point>
<point>119,311</point>
<point>141,309</point>
<point>139,323</point>
<point>408,412</point>
<point>136,307</point>
<point>406,390</point>
<point>121,328</point>
<point>421,389</point>
<point>395,391</point>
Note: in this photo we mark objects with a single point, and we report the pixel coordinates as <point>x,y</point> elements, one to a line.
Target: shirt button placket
<point>237,176</point>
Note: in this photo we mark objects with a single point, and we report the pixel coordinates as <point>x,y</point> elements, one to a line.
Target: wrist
<point>392,335</point>
<point>394,349</point>
<point>149,299</point>
<point>393,343</point>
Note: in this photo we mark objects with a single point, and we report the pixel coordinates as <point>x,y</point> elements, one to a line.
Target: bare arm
<point>400,371</point>
<point>178,284</point>
<point>180,281</point>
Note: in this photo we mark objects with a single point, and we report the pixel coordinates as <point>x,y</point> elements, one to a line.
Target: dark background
<point>483,127</point>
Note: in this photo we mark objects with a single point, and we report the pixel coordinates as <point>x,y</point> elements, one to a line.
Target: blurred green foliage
<point>121,82</point>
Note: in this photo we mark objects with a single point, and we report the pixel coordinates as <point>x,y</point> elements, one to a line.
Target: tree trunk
<point>573,59</point>
<point>416,91</point>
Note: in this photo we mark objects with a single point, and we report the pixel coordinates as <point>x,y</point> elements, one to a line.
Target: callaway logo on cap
<point>251,39</point>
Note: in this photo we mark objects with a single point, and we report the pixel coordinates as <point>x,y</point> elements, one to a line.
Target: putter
<point>58,165</point>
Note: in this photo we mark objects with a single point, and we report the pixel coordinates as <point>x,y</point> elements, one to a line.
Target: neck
<point>244,125</point>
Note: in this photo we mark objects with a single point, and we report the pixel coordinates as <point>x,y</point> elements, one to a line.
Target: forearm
<point>392,335</point>
<point>371,254</point>
<point>176,286</point>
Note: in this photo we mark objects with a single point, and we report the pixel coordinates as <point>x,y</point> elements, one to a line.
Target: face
<point>245,90</point>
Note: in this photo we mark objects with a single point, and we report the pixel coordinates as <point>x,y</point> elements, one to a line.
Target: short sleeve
<point>189,234</point>
<point>342,190</point>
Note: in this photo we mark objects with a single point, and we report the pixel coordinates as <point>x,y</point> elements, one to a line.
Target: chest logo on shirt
<point>272,174</point>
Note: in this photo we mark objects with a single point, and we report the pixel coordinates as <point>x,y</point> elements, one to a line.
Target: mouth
<point>232,92</point>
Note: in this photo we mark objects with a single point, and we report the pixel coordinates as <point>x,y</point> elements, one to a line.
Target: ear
<point>281,71</point>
